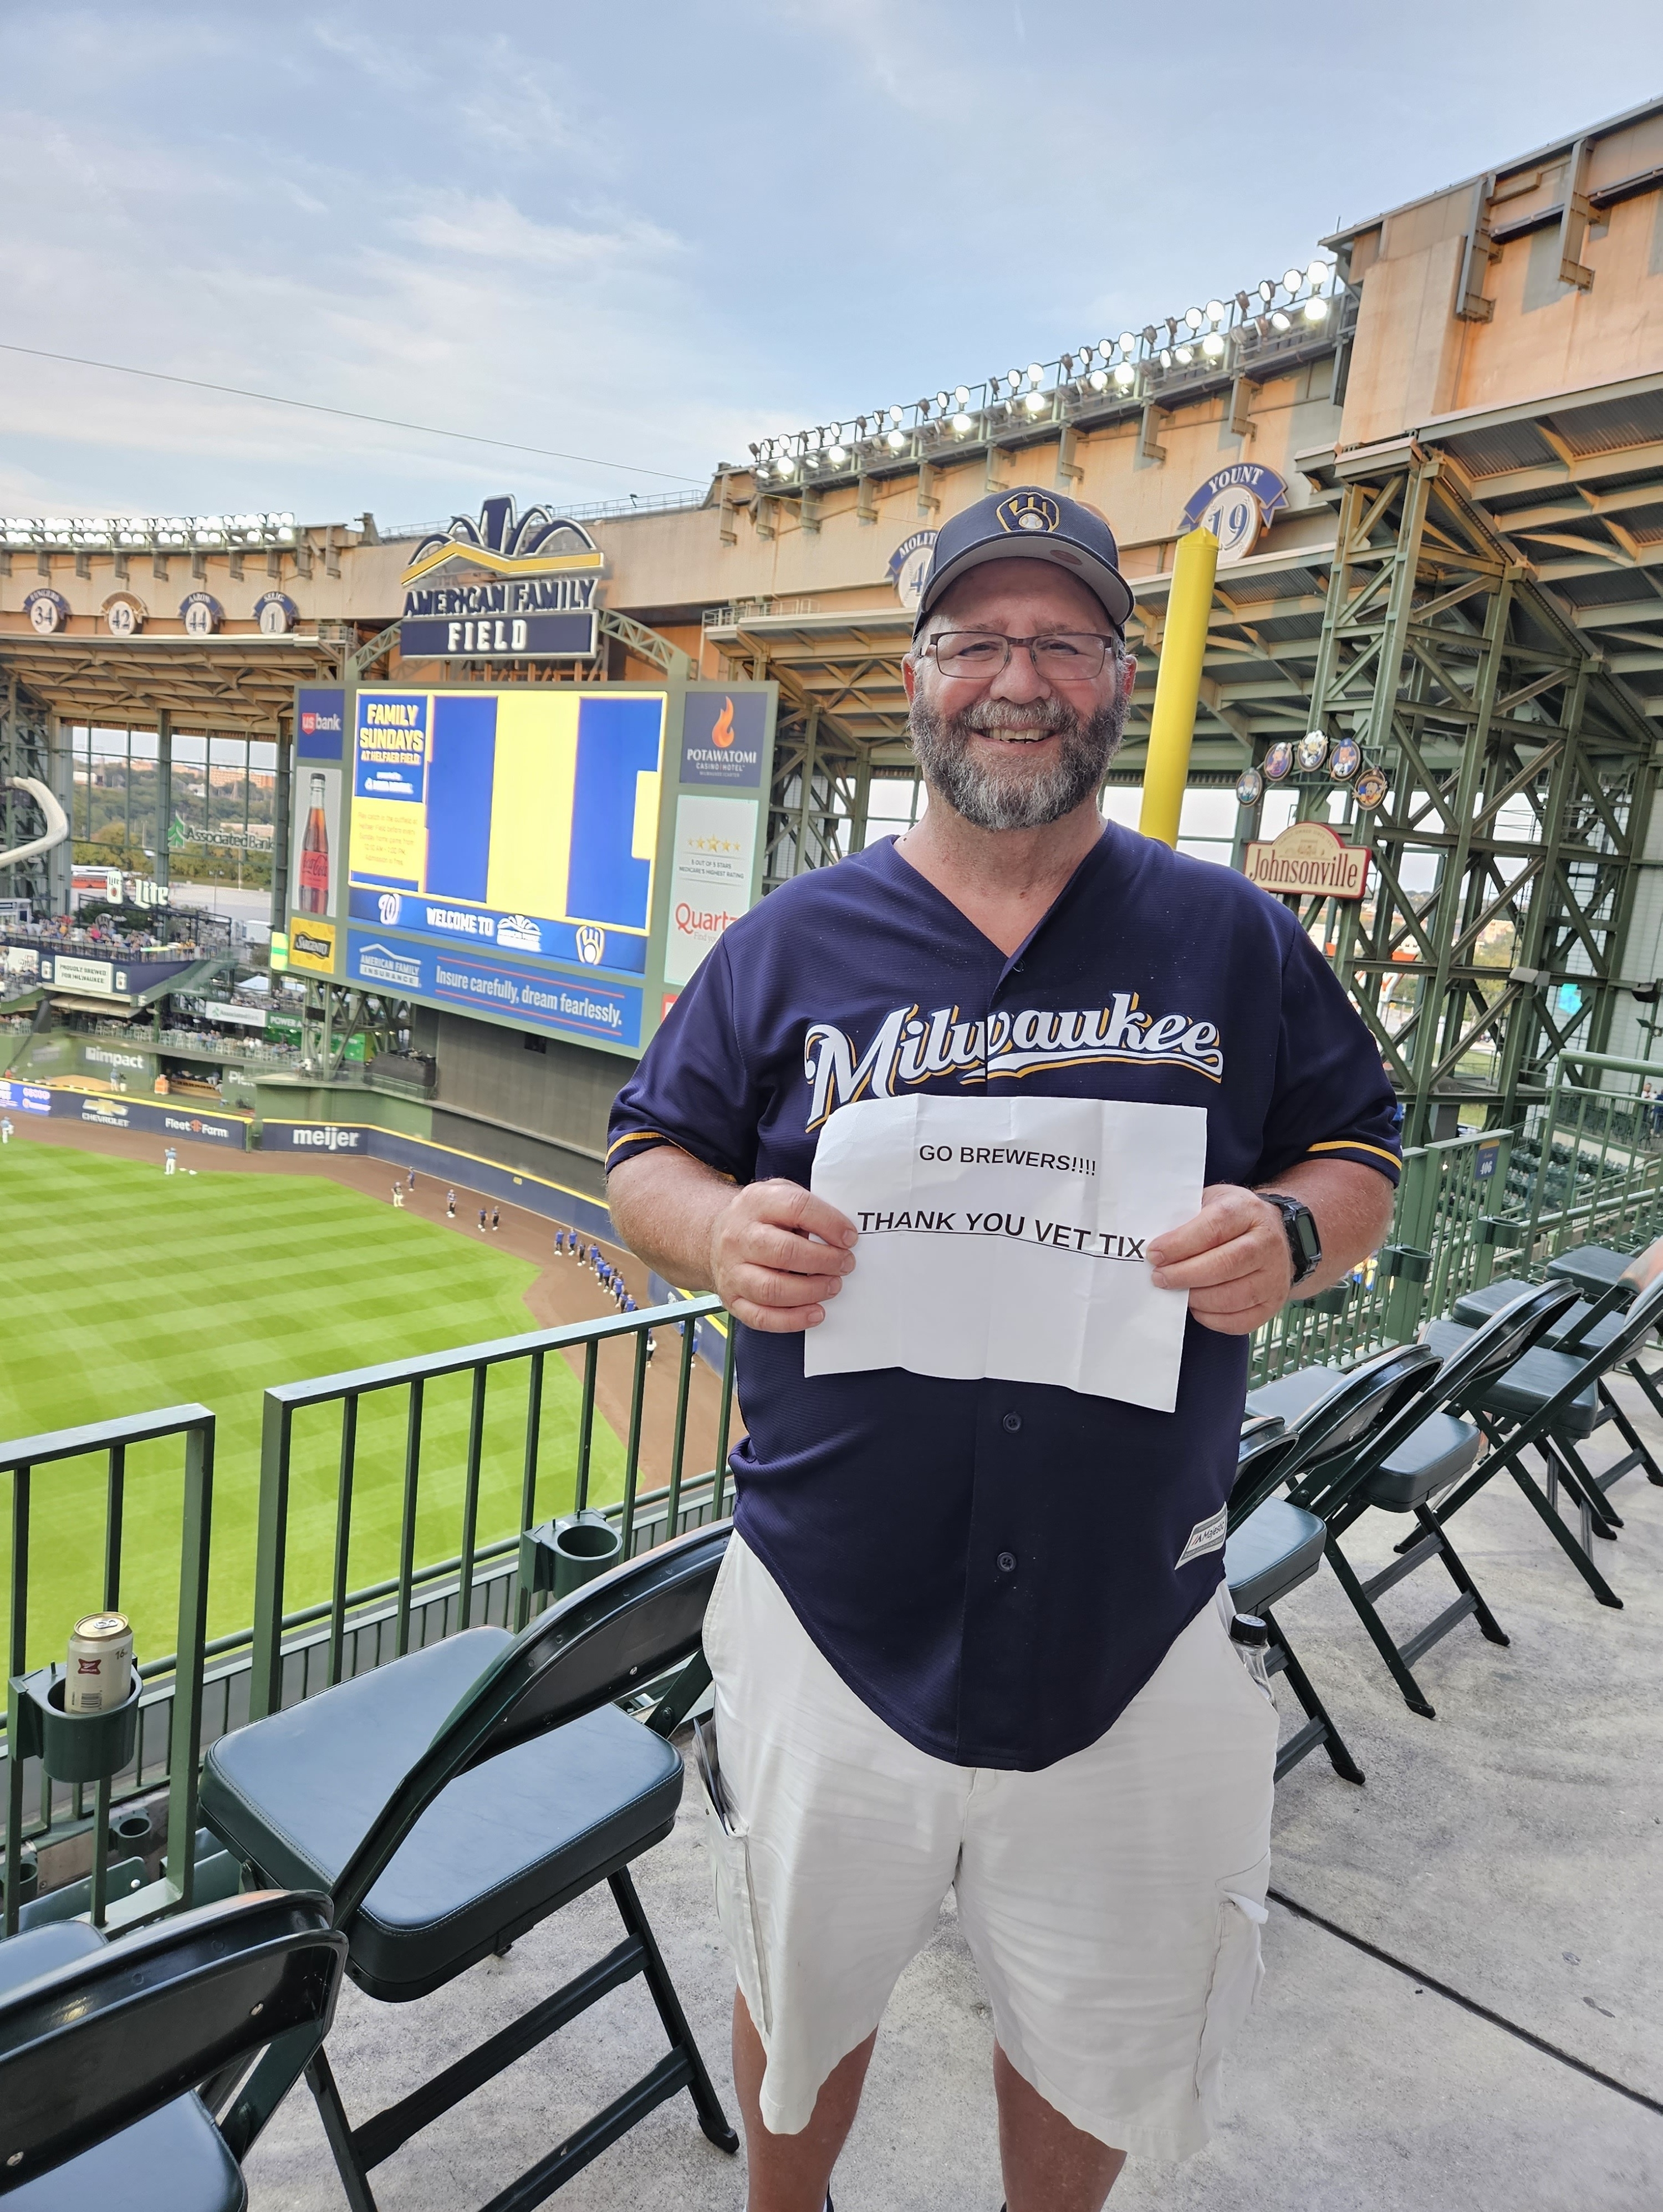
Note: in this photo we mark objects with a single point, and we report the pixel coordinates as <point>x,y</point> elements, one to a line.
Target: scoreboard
<point>556,856</point>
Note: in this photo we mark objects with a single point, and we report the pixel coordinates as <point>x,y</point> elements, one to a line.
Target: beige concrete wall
<point>1415,360</point>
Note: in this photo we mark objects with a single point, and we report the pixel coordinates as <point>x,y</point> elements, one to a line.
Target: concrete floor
<point>1510,1849</point>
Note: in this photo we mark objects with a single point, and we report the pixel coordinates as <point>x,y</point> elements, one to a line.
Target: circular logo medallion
<point>1249,788</point>
<point>1311,751</point>
<point>1370,788</point>
<point>1279,762</point>
<point>1345,760</point>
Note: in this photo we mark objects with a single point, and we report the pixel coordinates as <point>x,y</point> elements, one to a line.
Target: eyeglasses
<point>977,655</point>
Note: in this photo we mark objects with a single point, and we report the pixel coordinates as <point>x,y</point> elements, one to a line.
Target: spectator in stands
<point>976,1632</point>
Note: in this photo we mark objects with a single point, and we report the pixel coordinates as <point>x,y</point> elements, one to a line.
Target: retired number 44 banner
<point>1008,1237</point>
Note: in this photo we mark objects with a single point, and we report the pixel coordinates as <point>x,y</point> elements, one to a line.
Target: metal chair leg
<point>712,2118</point>
<point>1455,1566</point>
<point>1319,1726</point>
<point>1573,1551</point>
<point>354,2180</point>
<point>1379,1635</point>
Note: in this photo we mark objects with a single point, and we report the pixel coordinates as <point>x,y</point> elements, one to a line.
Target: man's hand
<point>1233,1259</point>
<point>765,1266</point>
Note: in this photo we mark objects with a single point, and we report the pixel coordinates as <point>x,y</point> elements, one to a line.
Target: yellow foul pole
<point>1178,686</point>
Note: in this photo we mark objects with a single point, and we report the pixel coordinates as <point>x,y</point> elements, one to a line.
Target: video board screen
<point>556,857</point>
<point>527,820</point>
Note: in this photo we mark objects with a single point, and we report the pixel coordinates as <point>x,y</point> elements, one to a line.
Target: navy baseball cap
<point>1028,524</point>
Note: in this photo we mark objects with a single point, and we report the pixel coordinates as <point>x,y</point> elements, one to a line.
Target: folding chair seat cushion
<point>1437,1454</point>
<point>1528,1384</point>
<point>1275,1548</point>
<point>175,2161</point>
<point>1474,1307</point>
<point>1291,1396</point>
<point>503,1846</point>
<point>1593,1267</point>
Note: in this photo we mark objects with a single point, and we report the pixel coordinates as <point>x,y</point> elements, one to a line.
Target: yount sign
<point>1308,856</point>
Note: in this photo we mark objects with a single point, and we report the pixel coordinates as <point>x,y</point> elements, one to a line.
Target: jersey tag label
<point>1206,1536</point>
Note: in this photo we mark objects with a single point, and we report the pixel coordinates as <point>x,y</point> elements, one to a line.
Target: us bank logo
<point>723,734</point>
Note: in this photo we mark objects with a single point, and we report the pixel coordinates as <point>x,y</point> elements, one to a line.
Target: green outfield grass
<point>125,1290</point>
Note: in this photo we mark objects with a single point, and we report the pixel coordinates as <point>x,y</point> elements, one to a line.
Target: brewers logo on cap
<point>1028,510</point>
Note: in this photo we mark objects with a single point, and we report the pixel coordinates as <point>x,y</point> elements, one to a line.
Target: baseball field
<point>123,1290</point>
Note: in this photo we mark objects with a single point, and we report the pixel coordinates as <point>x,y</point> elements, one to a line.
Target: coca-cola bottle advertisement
<point>315,862</point>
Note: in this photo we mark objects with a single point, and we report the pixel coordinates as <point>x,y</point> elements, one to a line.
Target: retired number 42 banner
<point>1008,1237</point>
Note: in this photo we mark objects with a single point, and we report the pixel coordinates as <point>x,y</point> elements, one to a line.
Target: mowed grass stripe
<point>131,1290</point>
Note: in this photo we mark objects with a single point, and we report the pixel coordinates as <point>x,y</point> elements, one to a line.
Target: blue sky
<point>651,233</point>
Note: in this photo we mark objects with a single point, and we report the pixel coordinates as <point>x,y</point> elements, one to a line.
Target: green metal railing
<point>1437,1250</point>
<point>32,1464</point>
<point>1587,1167</point>
<point>411,1378</point>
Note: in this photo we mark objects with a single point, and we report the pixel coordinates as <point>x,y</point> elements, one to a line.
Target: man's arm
<point>753,1245</point>
<point>1233,1258</point>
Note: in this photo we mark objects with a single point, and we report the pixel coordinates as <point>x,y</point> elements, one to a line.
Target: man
<point>450,1206</point>
<point>170,1162</point>
<point>974,1632</point>
<point>5,1130</point>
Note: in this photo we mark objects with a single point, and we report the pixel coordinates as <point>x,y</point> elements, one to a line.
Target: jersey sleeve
<point>692,1087</point>
<point>1333,1099</point>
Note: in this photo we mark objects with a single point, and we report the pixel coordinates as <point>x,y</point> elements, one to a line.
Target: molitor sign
<point>504,587</point>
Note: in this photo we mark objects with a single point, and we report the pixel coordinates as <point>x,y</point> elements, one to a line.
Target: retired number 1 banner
<point>1008,1237</point>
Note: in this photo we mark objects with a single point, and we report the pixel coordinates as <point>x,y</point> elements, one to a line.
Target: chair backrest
<point>1638,1322</point>
<point>1510,1332</point>
<point>95,2045</point>
<point>1335,1438</point>
<point>1265,1439</point>
<point>611,1636</point>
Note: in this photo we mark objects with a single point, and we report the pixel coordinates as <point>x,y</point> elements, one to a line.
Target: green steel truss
<point>1521,784</point>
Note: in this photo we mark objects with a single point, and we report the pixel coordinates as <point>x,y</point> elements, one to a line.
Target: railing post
<point>265,1678</point>
<point>185,1743</point>
<point>1400,1317</point>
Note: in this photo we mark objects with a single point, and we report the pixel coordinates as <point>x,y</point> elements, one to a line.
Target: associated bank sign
<point>503,586</point>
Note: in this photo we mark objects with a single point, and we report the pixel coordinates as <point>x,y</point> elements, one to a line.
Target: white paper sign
<point>1006,1237</point>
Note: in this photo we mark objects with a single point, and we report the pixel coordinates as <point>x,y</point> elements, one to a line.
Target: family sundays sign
<point>1308,856</point>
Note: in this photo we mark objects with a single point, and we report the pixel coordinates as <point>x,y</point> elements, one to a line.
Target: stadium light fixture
<point>1185,357</point>
<point>1267,290</point>
<point>962,424</point>
<point>1125,375</point>
<point>896,441</point>
<point>1318,274</point>
<point>962,395</point>
<point>1194,318</point>
<point>1291,280</point>
<point>1215,311</point>
<point>1212,345</point>
<point>942,402</point>
<point>1098,380</point>
<point>897,416</point>
<point>1316,311</point>
<point>1035,373</point>
<point>1015,379</point>
<point>837,456</point>
<point>1128,343</point>
<point>1280,322</point>
<point>1034,403</point>
<point>1165,357</point>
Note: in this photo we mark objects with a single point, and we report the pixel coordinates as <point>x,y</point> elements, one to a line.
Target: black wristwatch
<point>1304,1242</point>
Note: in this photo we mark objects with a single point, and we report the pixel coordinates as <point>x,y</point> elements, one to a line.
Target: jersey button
<point>1012,1422</point>
<point>1006,1563</point>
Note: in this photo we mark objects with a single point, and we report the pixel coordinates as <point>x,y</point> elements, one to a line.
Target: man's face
<point>1018,750</point>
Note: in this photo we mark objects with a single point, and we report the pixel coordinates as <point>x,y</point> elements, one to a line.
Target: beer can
<point>100,1672</point>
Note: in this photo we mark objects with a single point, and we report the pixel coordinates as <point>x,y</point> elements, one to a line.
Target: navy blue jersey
<point>994,1567</point>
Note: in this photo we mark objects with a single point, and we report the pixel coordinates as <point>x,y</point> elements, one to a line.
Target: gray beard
<point>987,797</point>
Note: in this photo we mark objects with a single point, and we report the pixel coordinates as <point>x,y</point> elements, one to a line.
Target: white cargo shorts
<point>1111,1901</point>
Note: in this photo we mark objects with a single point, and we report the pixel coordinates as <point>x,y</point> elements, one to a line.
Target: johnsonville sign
<point>1308,856</point>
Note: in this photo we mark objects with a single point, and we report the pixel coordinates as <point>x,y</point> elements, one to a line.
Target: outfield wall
<point>176,1123</point>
